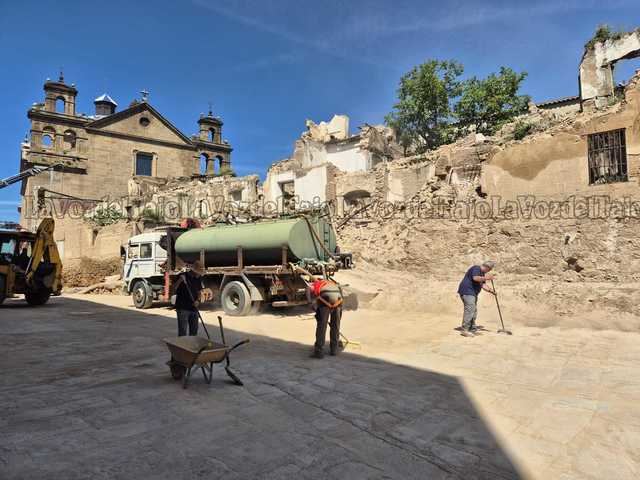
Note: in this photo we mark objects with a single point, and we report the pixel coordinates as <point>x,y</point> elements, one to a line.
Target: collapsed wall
<point>321,158</point>
<point>597,83</point>
<point>206,198</point>
<point>584,271</point>
<point>590,153</point>
<point>587,250</point>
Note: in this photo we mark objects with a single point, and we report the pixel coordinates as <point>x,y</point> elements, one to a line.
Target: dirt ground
<point>86,394</point>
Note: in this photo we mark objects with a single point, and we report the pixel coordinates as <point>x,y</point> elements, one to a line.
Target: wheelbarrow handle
<point>221,329</point>
<point>239,344</point>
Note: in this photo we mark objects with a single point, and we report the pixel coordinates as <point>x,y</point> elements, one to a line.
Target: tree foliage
<point>435,106</point>
<point>487,104</point>
<point>424,109</point>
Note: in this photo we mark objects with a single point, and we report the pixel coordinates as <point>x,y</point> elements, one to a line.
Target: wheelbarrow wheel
<point>177,371</point>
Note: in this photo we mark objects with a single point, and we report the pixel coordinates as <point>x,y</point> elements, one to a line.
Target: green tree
<point>422,117</point>
<point>489,103</point>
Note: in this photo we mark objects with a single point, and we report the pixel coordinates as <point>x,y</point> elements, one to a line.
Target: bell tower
<point>214,150</point>
<point>210,128</point>
<point>60,97</point>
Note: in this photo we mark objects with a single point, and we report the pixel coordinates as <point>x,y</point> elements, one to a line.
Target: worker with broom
<point>188,288</point>
<point>325,296</point>
<point>473,281</point>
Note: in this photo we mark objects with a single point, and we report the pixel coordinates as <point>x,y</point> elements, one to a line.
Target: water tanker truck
<point>246,265</point>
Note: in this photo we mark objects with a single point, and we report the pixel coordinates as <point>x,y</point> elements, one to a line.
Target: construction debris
<point>91,272</point>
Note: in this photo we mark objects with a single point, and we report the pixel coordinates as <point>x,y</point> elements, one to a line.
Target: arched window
<point>60,104</point>
<point>204,164</point>
<point>69,140</point>
<point>48,137</point>
<point>212,134</point>
<point>220,162</point>
<point>357,198</point>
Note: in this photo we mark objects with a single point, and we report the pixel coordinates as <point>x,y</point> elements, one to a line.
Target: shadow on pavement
<point>86,394</point>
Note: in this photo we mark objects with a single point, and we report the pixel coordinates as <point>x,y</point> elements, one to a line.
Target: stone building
<point>97,156</point>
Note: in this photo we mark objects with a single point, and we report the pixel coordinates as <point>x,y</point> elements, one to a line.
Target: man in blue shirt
<point>473,281</point>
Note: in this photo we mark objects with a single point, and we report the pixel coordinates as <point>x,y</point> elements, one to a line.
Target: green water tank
<point>261,242</point>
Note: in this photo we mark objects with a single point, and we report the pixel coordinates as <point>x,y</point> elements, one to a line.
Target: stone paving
<point>85,394</point>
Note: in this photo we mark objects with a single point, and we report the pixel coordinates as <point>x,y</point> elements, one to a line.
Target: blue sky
<point>268,65</point>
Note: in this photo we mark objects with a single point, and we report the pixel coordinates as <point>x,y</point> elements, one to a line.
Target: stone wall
<point>77,238</point>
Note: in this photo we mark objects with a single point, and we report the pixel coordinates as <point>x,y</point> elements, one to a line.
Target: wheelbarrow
<point>191,352</point>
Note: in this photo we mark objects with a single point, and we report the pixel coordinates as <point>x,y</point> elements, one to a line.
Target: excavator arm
<point>35,170</point>
<point>45,266</point>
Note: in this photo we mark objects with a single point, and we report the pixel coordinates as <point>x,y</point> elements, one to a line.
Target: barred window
<point>607,157</point>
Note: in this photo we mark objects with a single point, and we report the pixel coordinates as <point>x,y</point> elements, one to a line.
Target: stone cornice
<point>55,117</point>
<point>137,138</point>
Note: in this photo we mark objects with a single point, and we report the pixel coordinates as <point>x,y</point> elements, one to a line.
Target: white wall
<point>272,183</point>
<point>348,157</point>
<point>312,185</point>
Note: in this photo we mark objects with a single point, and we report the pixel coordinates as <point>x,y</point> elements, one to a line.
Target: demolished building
<point>329,164</point>
<point>597,81</point>
<point>590,153</point>
<point>586,145</point>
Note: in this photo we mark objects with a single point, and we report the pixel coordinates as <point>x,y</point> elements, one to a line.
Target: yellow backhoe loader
<point>30,264</point>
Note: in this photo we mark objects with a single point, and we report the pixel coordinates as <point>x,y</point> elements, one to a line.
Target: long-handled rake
<point>495,294</point>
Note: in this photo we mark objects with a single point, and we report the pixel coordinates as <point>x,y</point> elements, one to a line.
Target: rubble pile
<point>173,199</point>
<point>89,271</point>
<point>568,266</point>
<point>572,250</point>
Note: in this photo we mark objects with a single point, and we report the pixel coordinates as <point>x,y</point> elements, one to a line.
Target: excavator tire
<point>37,297</point>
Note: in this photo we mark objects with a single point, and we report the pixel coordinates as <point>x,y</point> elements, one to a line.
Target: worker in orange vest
<point>326,298</point>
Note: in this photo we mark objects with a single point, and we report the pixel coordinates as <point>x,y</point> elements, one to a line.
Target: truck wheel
<point>37,297</point>
<point>142,295</point>
<point>235,299</point>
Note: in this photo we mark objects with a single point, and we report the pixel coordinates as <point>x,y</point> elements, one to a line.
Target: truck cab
<point>143,274</point>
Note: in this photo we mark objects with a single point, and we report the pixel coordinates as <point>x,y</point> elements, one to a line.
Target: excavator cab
<point>30,264</point>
